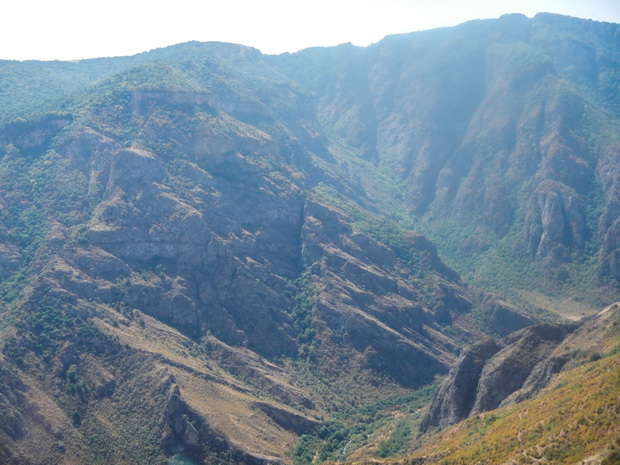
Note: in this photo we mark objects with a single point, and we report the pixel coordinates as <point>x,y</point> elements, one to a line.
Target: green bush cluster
<point>301,312</point>
<point>348,430</point>
<point>50,324</point>
<point>328,441</point>
<point>21,222</point>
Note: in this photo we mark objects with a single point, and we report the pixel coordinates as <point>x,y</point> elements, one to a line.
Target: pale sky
<point>76,29</point>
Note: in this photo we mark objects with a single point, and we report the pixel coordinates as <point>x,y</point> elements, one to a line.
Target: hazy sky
<point>74,29</point>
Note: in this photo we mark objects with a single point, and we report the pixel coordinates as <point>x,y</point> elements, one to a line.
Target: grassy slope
<point>576,418</point>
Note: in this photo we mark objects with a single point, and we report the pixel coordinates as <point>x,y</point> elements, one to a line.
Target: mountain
<point>494,374</point>
<point>184,247</point>
<point>502,136</point>
<point>573,420</point>
<point>207,253</point>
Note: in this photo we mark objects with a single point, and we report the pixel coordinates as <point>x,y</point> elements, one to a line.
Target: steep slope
<point>492,374</point>
<point>202,235</point>
<point>173,265</point>
<point>565,412</point>
<point>503,135</point>
<point>574,420</point>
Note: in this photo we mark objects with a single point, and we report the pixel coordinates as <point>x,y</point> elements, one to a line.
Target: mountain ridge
<point>202,234</point>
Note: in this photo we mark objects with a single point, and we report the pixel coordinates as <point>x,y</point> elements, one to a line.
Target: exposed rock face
<point>609,222</point>
<point>589,340</point>
<point>555,223</point>
<point>184,430</point>
<point>479,135</point>
<point>365,299</point>
<point>141,220</point>
<point>33,137</point>
<point>510,367</point>
<point>495,374</point>
<point>456,397</point>
<point>209,220</point>
<point>288,419</point>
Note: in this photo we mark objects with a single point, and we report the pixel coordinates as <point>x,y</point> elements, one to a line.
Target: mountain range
<point>211,255</point>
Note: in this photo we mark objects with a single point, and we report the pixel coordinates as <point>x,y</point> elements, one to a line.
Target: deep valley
<point>406,252</point>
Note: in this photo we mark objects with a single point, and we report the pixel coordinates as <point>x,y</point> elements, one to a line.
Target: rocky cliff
<point>170,253</point>
<point>501,134</point>
<point>202,235</point>
<point>494,374</point>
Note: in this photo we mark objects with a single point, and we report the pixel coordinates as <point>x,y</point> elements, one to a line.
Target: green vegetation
<point>397,441</point>
<point>139,441</point>
<point>27,230</point>
<point>613,459</point>
<point>21,222</point>
<point>505,267</point>
<point>351,429</point>
<point>50,324</point>
<point>302,313</point>
<point>330,441</point>
<point>22,225</point>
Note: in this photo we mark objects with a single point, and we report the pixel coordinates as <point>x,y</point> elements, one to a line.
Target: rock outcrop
<point>207,251</point>
<point>588,342</point>
<point>494,374</point>
<point>508,369</point>
<point>455,398</point>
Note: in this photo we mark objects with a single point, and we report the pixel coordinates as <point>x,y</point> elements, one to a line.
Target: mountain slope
<point>503,135</point>
<point>574,420</point>
<point>172,267</point>
<point>202,235</point>
<point>493,374</point>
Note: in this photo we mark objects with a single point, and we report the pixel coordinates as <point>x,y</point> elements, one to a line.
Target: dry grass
<point>230,412</point>
<point>221,397</point>
<point>575,418</point>
<point>155,337</point>
<point>47,430</point>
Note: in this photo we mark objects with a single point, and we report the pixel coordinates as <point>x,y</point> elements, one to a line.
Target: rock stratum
<point>493,374</point>
<point>206,252</point>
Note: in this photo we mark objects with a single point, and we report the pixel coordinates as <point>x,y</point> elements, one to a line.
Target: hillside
<point>207,253</point>
<point>173,247</point>
<point>573,420</point>
<point>502,136</point>
<point>558,427</point>
<point>543,393</point>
